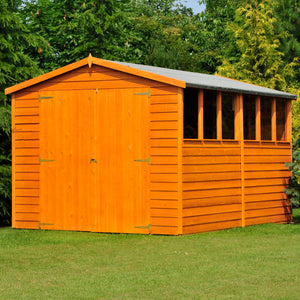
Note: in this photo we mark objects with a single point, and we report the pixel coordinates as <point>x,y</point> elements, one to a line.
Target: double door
<point>94,171</point>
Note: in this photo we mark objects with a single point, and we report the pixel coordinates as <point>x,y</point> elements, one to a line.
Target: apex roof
<point>213,82</point>
<point>178,78</point>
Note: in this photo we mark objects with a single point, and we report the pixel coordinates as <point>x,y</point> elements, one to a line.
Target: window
<point>191,113</point>
<point>209,114</point>
<point>227,116</point>
<point>281,120</point>
<point>249,107</point>
<point>266,118</point>
<point>212,115</point>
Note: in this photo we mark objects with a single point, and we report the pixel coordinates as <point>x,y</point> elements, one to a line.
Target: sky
<point>194,4</point>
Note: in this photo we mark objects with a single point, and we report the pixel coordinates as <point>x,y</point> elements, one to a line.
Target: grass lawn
<point>257,262</point>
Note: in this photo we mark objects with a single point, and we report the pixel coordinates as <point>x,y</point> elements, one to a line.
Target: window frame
<point>238,114</point>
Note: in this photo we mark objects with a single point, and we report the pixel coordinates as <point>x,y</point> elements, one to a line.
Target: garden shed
<point>109,146</point>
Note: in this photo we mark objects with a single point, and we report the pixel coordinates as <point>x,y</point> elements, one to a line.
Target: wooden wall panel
<point>13,155</point>
<point>216,225</point>
<point>211,201</point>
<point>26,224</point>
<point>265,179</point>
<point>194,185</point>
<point>211,186</point>
<point>25,160</point>
<point>165,159</point>
<point>163,144</point>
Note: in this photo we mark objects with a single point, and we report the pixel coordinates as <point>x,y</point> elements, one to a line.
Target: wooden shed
<point>117,147</point>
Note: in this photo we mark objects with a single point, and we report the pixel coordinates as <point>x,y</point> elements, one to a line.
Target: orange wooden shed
<point>117,147</point>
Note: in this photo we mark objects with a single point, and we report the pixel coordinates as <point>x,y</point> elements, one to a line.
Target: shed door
<point>122,138</point>
<point>90,180</point>
<point>68,178</point>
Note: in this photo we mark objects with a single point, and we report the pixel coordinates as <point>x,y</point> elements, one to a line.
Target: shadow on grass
<point>296,220</point>
<point>296,216</point>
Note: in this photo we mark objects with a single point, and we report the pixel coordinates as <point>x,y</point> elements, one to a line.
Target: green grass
<point>257,262</point>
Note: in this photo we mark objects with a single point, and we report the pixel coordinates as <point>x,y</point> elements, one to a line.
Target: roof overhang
<point>178,78</point>
<point>99,62</point>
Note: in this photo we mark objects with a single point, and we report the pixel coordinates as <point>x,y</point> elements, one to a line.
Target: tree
<point>73,29</point>
<point>260,60</point>
<point>169,35</point>
<point>293,190</point>
<point>287,12</point>
<point>288,24</point>
<point>15,66</point>
<point>217,40</point>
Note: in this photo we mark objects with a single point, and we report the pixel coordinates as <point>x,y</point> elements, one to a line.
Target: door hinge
<point>44,160</point>
<point>144,93</point>
<point>145,159</point>
<point>44,224</point>
<point>44,97</point>
<point>144,227</point>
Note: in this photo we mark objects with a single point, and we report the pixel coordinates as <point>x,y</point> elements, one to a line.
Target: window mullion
<point>258,120</point>
<point>273,122</point>
<point>288,122</point>
<point>237,116</point>
<point>219,115</point>
<point>200,114</point>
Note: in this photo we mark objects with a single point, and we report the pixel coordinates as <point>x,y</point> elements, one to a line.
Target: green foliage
<point>15,66</point>
<point>293,190</point>
<point>260,60</point>
<point>169,35</point>
<point>73,29</point>
<point>5,165</point>
<point>287,13</point>
<point>219,41</point>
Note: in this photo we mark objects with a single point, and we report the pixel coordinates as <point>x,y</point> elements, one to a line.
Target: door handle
<point>93,160</point>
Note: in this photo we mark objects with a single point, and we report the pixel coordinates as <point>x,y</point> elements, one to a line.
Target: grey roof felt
<point>213,82</point>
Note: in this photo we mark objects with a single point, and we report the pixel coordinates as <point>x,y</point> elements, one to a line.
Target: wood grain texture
<point>243,161</point>
<point>211,210</point>
<point>27,200</point>
<point>257,119</point>
<point>27,176</point>
<point>29,224</point>
<point>200,114</point>
<point>27,216</point>
<point>266,178</point>
<point>25,167</point>
<point>163,145</point>
<point>212,183</point>
<point>180,160</point>
<point>27,208</point>
<point>279,218</point>
<point>100,121</point>
<point>273,119</point>
<point>196,220</point>
<point>121,69</point>
<point>13,156</point>
<point>211,201</point>
<point>211,226</point>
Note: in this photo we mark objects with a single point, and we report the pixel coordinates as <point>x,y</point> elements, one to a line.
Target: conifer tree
<point>259,60</point>
<point>219,39</point>
<point>287,13</point>
<point>73,29</point>
<point>15,66</point>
